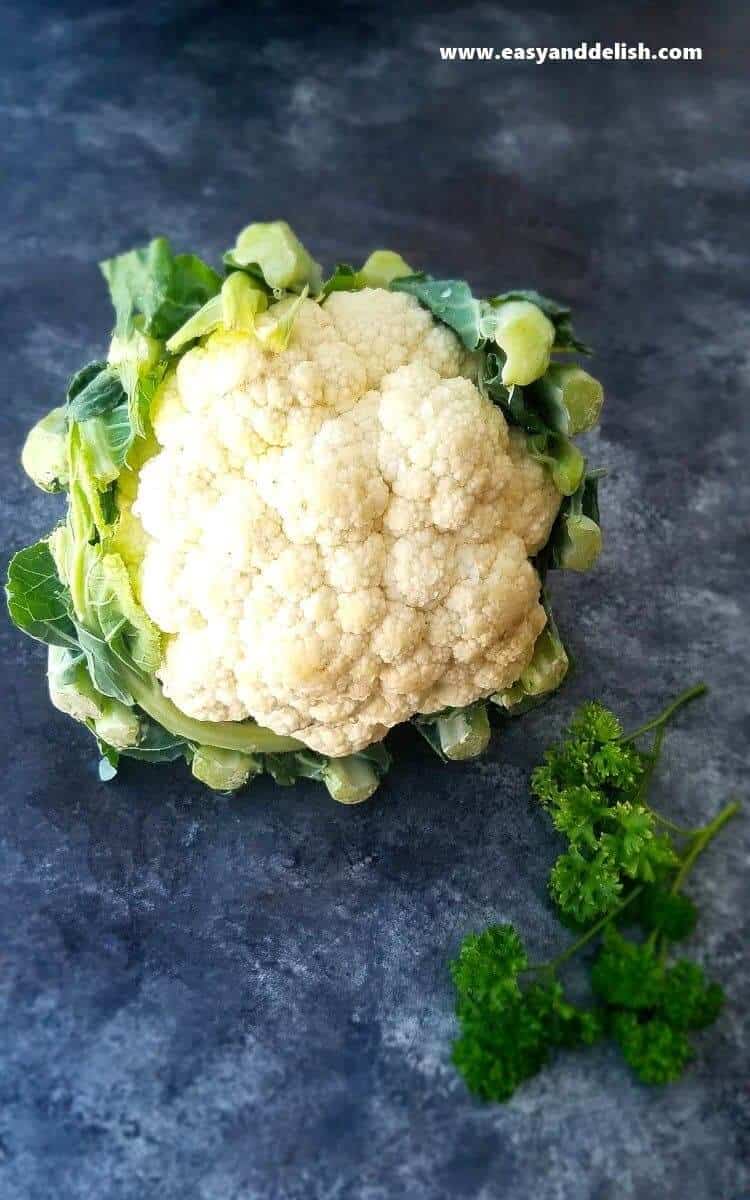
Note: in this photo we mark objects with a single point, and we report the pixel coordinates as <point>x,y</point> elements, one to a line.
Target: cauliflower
<point>339,534</point>
<point>302,512</point>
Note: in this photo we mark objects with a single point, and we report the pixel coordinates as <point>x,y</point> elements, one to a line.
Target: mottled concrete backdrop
<point>247,999</point>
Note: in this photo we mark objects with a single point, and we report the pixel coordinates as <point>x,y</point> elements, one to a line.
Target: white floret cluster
<point>339,534</point>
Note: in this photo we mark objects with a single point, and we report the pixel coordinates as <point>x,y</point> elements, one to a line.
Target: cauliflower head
<point>302,509</point>
<point>337,537</point>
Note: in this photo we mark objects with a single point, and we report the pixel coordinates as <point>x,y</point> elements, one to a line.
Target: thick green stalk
<point>223,770</point>
<point>350,780</point>
<point>569,398</point>
<point>549,663</point>
<point>582,545</point>
<point>245,736</point>
<point>465,733</point>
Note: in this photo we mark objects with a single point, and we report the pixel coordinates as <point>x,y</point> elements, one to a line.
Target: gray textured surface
<point>247,999</point>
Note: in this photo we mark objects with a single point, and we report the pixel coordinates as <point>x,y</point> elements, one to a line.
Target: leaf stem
<point>666,715</point>
<point>556,962</point>
<point>648,774</point>
<point>645,782</point>
<point>679,829</point>
<point>245,736</point>
<point>641,791</point>
<point>702,838</point>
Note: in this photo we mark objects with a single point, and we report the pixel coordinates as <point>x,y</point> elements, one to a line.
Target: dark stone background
<point>247,999</point>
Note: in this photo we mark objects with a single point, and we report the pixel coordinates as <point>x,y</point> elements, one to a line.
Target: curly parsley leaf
<point>596,723</point>
<point>578,818</point>
<point>664,911</point>
<point>688,999</point>
<point>657,1052</point>
<point>497,1051</point>
<point>626,973</point>
<point>638,851</point>
<point>508,1032</point>
<point>584,888</point>
<point>488,964</point>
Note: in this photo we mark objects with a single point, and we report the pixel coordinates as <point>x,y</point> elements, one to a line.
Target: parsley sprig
<point>624,868</point>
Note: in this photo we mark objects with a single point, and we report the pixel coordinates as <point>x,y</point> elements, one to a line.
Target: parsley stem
<point>648,774</point>
<point>679,829</point>
<point>653,762</point>
<point>702,839</point>
<point>663,717</point>
<point>556,962</point>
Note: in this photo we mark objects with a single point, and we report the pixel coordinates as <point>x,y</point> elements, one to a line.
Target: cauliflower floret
<point>197,674</point>
<point>532,499</point>
<point>338,535</point>
<point>389,329</point>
